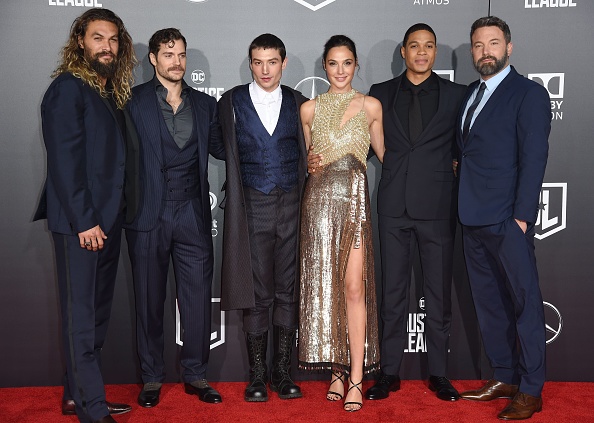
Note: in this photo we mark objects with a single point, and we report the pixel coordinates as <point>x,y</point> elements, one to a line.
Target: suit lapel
<point>394,116</point>
<point>201,121</point>
<point>497,96</point>
<point>151,115</point>
<point>469,92</point>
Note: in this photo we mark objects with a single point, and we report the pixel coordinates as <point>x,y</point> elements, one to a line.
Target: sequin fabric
<point>335,218</point>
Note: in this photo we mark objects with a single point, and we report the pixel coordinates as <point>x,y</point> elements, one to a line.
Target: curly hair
<point>73,59</point>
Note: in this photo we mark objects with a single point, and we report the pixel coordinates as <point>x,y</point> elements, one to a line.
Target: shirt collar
<point>428,84</point>
<point>158,84</point>
<point>494,82</point>
<point>259,94</point>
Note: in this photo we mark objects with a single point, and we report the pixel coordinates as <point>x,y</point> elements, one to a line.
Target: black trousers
<point>86,281</point>
<point>273,223</point>
<point>178,237</point>
<point>435,240</point>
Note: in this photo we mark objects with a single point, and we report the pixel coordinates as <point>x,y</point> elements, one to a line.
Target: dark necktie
<point>415,120</point>
<point>471,109</point>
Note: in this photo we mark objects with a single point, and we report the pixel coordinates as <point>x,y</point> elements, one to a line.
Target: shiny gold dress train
<point>334,218</point>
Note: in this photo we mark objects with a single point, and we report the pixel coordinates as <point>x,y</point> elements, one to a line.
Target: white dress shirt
<point>267,105</point>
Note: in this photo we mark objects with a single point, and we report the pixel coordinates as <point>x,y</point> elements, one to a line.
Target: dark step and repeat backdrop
<point>552,45</point>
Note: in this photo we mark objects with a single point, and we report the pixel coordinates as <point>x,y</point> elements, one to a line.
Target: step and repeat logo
<point>555,85</point>
<point>215,224</point>
<point>431,2</point>
<point>552,209</point>
<point>446,74</point>
<point>415,326</point>
<point>553,322</point>
<point>79,3</point>
<point>217,336</point>
<point>537,4</point>
<point>314,5</point>
<point>312,86</point>
<point>417,341</point>
<point>198,77</point>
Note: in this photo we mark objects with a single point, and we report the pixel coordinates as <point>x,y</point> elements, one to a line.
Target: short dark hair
<point>165,36</point>
<point>268,41</point>
<point>418,27</point>
<point>339,41</point>
<point>491,21</point>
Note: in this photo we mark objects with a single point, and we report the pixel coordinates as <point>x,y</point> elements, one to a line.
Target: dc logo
<point>422,303</point>
<point>213,201</point>
<point>553,82</point>
<point>553,322</point>
<point>217,337</point>
<point>312,86</point>
<point>552,210</point>
<point>198,77</point>
<point>447,74</point>
<point>313,4</point>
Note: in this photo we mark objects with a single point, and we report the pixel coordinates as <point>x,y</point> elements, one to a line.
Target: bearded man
<point>88,194</point>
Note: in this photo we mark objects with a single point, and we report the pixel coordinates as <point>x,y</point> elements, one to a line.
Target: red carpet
<point>563,402</point>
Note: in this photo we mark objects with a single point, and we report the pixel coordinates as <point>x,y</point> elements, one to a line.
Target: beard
<point>488,69</point>
<point>103,69</point>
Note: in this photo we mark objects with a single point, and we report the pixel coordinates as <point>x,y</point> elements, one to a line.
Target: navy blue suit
<point>86,159</point>
<point>501,168</point>
<point>173,221</point>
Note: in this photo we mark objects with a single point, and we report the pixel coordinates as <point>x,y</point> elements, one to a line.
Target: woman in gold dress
<point>338,313</point>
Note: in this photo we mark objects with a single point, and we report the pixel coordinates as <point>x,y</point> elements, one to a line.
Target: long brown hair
<point>73,58</point>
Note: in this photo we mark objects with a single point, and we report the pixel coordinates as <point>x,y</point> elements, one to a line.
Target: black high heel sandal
<point>337,376</point>
<point>360,404</point>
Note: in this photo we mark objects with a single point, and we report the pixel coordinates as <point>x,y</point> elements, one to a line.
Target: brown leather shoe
<point>523,406</point>
<point>493,389</point>
<point>113,408</point>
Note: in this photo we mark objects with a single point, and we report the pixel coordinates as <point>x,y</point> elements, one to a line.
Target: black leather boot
<point>256,389</point>
<point>280,379</point>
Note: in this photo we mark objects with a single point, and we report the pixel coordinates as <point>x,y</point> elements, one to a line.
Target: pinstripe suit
<point>173,222</point>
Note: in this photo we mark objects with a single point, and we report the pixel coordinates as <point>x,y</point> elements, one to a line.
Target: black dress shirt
<point>428,97</point>
<point>179,124</point>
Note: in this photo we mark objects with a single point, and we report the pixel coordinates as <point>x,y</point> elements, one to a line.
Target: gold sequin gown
<point>335,217</point>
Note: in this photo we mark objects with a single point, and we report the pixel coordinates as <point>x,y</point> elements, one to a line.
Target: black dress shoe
<point>149,397</point>
<point>383,386</point>
<point>443,388</point>
<point>106,419</point>
<point>68,408</point>
<point>206,394</point>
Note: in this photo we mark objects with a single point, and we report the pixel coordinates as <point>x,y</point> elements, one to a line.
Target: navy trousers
<point>178,237</point>
<point>504,281</point>
<point>86,281</point>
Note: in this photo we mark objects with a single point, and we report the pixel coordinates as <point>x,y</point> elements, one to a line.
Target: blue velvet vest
<point>267,160</point>
<point>180,170</point>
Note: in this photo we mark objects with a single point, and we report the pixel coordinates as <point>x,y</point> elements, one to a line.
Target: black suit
<point>173,221</point>
<point>86,170</point>
<point>415,199</point>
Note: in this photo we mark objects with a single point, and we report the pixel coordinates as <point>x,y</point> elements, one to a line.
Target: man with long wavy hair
<point>88,194</point>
